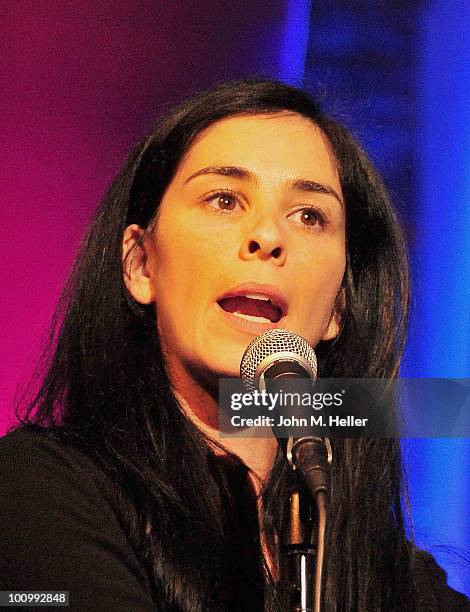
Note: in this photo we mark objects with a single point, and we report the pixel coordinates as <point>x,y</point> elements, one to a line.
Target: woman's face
<point>250,236</point>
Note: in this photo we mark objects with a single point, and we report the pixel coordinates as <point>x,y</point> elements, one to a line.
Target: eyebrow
<point>299,184</point>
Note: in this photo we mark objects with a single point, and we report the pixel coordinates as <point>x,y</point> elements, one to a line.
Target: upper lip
<point>253,288</point>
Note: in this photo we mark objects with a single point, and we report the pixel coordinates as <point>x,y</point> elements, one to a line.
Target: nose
<point>264,240</point>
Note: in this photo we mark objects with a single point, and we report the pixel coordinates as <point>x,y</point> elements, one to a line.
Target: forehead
<point>285,143</point>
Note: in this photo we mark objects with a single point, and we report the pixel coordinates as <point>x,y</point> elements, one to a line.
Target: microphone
<point>278,353</point>
<point>275,358</point>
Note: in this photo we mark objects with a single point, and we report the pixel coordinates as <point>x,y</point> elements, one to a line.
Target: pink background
<point>81,82</point>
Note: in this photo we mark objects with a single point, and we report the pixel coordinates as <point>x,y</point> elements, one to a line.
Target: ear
<point>136,267</point>
<point>334,324</point>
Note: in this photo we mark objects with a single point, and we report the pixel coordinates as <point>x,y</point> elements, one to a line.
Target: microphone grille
<point>271,342</point>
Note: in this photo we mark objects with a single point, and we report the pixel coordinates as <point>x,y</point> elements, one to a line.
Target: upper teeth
<point>257,296</point>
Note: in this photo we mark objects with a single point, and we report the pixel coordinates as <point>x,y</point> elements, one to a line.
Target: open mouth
<point>259,309</point>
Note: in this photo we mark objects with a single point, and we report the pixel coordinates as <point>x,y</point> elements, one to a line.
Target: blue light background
<point>404,70</point>
<point>440,327</point>
<point>294,47</point>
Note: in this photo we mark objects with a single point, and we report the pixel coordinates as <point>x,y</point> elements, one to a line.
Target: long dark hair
<point>106,390</point>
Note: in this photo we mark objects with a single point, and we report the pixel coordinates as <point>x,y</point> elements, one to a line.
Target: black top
<point>62,527</point>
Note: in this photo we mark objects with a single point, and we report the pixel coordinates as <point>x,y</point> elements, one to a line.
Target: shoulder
<point>22,449</point>
<point>39,465</point>
<point>435,593</point>
<point>63,526</point>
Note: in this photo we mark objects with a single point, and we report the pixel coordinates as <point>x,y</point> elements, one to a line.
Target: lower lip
<point>249,327</point>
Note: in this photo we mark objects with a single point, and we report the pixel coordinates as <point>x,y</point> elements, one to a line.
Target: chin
<point>220,364</point>
<point>226,367</point>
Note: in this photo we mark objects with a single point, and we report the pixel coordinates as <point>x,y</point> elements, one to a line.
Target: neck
<point>201,406</point>
<point>258,454</point>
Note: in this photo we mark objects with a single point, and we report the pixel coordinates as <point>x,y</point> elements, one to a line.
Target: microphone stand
<point>300,550</point>
<point>275,359</point>
<point>304,537</point>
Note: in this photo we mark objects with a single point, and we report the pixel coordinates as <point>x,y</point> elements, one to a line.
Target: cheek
<point>320,281</point>
<point>184,264</point>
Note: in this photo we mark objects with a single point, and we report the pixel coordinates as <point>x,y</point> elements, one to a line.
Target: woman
<point>119,489</point>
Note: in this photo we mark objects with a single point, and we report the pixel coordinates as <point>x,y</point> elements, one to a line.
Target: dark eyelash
<point>220,192</point>
<point>322,218</point>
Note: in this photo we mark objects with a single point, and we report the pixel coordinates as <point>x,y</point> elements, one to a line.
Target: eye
<point>223,201</point>
<point>309,216</point>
